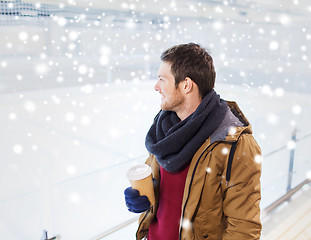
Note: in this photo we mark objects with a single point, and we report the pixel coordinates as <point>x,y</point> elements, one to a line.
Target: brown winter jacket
<point>212,208</point>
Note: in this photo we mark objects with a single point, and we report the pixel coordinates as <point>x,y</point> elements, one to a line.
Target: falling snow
<point>69,117</point>
<point>71,169</point>
<point>232,130</point>
<point>29,106</point>
<point>258,159</point>
<point>272,118</point>
<point>186,224</point>
<point>291,145</point>
<point>296,109</point>
<point>76,91</point>
<point>17,149</point>
<point>225,151</point>
<point>12,116</point>
<point>75,198</point>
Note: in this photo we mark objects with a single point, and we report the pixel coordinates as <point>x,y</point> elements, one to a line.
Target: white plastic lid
<point>139,172</point>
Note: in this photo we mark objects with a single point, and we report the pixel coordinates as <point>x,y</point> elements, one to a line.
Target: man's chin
<point>164,107</point>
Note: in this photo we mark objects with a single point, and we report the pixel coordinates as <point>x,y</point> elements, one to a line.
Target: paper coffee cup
<point>141,179</point>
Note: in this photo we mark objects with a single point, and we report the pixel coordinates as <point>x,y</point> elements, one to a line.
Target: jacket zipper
<point>192,177</point>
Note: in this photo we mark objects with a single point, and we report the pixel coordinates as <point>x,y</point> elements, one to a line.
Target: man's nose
<point>157,86</point>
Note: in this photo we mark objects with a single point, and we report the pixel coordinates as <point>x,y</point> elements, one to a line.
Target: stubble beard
<point>173,102</point>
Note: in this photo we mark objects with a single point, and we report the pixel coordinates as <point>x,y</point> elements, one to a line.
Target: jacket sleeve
<point>241,197</point>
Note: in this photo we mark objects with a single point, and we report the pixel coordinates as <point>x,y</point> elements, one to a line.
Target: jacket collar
<point>235,132</point>
<point>232,126</point>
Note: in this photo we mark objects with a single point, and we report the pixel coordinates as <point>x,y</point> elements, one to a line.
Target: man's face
<point>172,98</point>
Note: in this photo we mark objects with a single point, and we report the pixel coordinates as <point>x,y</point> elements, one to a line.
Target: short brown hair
<point>193,61</point>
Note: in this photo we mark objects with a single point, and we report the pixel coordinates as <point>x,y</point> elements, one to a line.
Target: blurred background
<point>77,98</point>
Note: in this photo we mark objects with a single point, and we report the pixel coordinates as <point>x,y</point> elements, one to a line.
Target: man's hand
<point>134,202</point>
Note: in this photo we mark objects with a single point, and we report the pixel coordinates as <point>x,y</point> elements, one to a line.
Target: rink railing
<point>283,199</point>
<point>265,212</point>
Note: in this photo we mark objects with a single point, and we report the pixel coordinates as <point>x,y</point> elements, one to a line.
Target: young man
<point>203,156</point>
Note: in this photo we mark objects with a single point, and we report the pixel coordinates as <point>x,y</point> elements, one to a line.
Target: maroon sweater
<point>166,224</point>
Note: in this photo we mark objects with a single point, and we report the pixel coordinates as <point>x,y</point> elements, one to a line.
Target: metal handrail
<point>115,228</point>
<point>283,199</point>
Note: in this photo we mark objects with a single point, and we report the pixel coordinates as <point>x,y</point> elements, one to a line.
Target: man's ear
<point>188,85</point>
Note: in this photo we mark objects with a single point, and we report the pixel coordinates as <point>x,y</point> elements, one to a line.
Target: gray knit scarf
<point>174,142</point>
